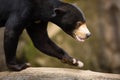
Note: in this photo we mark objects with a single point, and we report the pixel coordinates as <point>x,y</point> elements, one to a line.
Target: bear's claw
<point>72,61</point>
<point>18,67</point>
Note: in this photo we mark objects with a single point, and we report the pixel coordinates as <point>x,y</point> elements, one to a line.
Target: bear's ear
<point>60,11</point>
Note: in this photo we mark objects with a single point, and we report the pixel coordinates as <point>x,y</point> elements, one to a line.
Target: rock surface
<point>57,74</point>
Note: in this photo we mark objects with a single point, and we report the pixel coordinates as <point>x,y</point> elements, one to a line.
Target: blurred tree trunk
<point>110,29</point>
<point>2,58</point>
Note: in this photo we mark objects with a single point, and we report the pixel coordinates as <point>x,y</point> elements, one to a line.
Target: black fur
<point>17,15</point>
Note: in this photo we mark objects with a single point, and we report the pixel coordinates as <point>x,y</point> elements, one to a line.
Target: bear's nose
<point>88,35</point>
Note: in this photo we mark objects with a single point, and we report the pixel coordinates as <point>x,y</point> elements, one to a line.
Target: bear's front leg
<point>11,35</point>
<point>39,36</point>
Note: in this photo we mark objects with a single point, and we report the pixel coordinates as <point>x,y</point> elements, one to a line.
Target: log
<point>44,73</point>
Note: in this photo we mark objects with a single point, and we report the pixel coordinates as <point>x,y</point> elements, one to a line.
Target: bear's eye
<point>79,23</point>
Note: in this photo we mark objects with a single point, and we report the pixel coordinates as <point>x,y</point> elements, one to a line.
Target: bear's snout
<point>82,33</point>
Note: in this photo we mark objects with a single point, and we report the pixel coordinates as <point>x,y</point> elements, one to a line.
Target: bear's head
<point>72,21</point>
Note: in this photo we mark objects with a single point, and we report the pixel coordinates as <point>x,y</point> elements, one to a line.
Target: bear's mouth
<point>79,38</point>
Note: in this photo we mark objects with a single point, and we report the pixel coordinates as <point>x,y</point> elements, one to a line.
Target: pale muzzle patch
<point>81,33</point>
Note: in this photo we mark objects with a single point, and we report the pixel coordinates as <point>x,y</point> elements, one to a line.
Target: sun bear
<point>17,15</point>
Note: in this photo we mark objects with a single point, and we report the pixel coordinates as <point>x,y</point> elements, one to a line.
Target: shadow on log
<point>57,74</point>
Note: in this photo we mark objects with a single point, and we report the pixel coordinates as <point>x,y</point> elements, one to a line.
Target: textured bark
<point>57,74</point>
